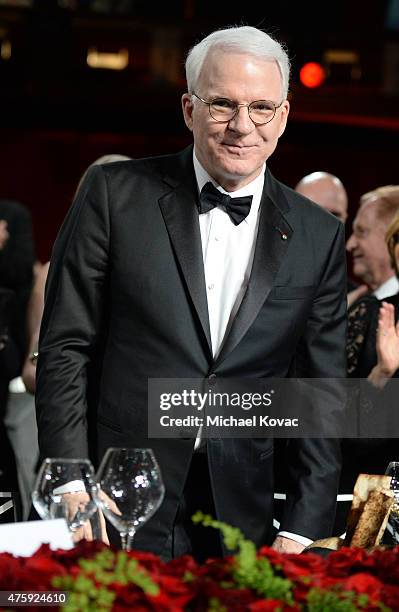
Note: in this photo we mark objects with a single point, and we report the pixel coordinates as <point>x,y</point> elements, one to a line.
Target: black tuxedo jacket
<point>126,301</point>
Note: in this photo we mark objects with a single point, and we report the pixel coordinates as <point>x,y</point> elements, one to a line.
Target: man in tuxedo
<point>199,265</point>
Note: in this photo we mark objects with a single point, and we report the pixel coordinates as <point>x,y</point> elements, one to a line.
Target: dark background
<point>57,115</point>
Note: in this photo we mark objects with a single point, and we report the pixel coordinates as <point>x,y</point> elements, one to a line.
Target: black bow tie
<point>236,208</point>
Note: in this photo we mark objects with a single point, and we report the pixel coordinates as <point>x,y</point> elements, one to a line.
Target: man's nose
<point>351,243</point>
<point>242,122</point>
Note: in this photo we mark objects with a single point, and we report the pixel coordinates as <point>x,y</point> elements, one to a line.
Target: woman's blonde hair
<point>392,239</point>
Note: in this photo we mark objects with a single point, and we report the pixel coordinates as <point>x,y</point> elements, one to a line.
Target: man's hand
<point>4,235</point>
<point>29,375</point>
<point>356,294</point>
<point>76,502</point>
<point>285,545</point>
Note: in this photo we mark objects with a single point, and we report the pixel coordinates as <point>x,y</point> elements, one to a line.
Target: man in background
<point>372,264</point>
<point>327,191</point>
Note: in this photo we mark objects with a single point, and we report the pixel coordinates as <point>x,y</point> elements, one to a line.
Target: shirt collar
<point>254,188</point>
<point>387,289</point>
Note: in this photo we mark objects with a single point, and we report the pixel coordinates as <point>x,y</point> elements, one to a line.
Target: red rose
<point>9,568</point>
<point>181,565</point>
<point>137,607</point>
<point>295,566</point>
<point>218,570</point>
<point>348,560</point>
<point>234,599</point>
<point>82,550</point>
<point>128,597</point>
<point>45,566</point>
<point>387,565</point>
<point>365,584</point>
<point>390,597</point>
<point>274,557</point>
<point>270,605</point>
<point>173,592</point>
<point>148,560</point>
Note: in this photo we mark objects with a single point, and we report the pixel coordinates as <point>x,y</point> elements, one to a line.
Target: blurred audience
<point>371,261</point>
<point>17,258</point>
<point>327,191</point>
<point>16,266</point>
<point>373,353</point>
<point>9,367</point>
<point>371,331</point>
<point>36,302</point>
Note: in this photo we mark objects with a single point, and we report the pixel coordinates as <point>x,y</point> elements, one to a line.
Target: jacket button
<point>212,379</point>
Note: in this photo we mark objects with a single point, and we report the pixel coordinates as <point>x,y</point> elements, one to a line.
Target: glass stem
<point>127,539</point>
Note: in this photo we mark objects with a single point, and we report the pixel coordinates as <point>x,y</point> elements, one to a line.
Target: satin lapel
<point>180,212</point>
<point>274,235</point>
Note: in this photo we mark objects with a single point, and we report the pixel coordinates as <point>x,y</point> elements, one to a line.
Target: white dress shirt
<point>228,252</point>
<point>387,289</point>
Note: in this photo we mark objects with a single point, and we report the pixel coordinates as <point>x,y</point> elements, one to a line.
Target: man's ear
<point>284,111</point>
<point>187,106</point>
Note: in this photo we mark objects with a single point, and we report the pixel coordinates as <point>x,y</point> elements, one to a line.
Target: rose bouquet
<point>99,578</point>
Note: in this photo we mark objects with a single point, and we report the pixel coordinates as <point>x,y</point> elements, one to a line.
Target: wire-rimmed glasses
<point>224,110</point>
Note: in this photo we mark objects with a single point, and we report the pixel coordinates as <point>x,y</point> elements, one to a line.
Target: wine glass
<point>64,488</point>
<point>393,519</point>
<point>130,489</point>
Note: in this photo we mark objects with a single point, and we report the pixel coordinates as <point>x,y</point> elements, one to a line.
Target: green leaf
<point>319,600</point>
<point>214,605</point>
<point>249,571</point>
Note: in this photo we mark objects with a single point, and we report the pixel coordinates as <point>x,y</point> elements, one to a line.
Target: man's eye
<point>223,103</point>
<point>262,105</point>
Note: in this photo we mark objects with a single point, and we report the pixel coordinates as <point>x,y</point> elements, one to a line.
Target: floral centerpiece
<point>99,578</point>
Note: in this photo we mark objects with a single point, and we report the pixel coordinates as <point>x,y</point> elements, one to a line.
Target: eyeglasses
<point>224,110</point>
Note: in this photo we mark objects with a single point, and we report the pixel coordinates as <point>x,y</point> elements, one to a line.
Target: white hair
<point>244,39</point>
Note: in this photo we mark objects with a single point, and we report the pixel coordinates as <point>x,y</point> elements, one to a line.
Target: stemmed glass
<point>131,489</point>
<point>393,520</point>
<point>64,489</point>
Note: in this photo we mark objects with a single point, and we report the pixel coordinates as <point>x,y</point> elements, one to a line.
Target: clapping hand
<point>387,346</point>
<point>388,340</point>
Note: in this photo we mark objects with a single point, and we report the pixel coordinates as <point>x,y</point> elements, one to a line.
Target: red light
<point>312,74</point>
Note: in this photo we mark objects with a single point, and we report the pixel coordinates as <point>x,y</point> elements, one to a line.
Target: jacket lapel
<point>179,208</point>
<point>274,235</point>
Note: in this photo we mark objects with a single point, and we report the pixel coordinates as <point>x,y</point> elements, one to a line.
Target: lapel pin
<point>282,234</point>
